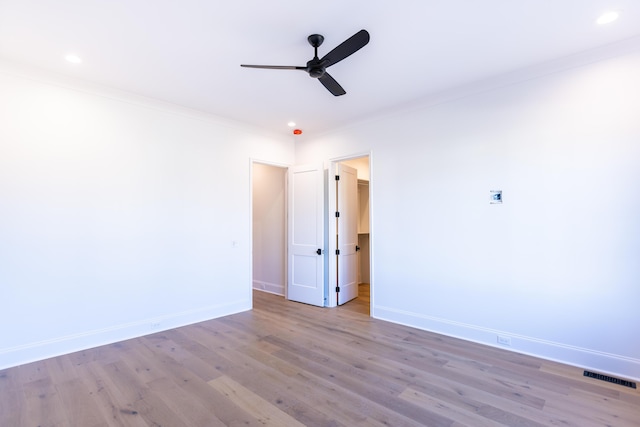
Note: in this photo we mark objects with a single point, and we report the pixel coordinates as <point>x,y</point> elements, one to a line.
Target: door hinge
<point>337,251</point>
<point>337,214</point>
<point>337,288</point>
<point>337,177</point>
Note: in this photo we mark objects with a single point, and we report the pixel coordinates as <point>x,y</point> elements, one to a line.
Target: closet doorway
<point>363,302</point>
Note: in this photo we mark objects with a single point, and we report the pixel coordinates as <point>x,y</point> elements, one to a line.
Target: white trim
<point>270,163</point>
<point>332,296</point>
<point>603,362</point>
<point>19,355</point>
<point>272,288</point>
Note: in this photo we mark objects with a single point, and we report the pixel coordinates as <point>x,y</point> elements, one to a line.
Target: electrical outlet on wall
<point>504,340</point>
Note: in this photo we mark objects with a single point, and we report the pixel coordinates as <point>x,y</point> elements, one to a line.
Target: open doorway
<point>269,207</point>
<point>274,188</point>
<point>362,303</point>
<point>288,250</point>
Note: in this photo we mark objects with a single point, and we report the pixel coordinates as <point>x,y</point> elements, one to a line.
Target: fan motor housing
<point>316,72</point>
<point>316,68</point>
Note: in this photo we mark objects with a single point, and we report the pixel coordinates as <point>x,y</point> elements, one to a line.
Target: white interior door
<point>347,232</point>
<point>305,276</point>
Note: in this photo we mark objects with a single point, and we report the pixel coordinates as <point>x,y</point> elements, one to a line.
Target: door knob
<point>357,248</point>
<point>319,251</point>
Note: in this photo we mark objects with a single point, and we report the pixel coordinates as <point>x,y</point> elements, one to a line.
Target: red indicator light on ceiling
<point>297,132</point>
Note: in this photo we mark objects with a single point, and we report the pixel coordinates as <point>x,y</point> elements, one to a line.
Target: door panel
<point>347,232</point>
<point>305,278</point>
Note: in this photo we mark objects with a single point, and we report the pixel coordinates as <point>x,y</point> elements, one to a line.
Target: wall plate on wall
<point>495,197</point>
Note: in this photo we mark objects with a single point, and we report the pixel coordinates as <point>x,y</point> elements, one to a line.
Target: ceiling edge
<point>51,78</point>
<point>580,59</point>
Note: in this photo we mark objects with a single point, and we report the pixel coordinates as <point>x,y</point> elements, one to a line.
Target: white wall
<point>556,267</point>
<point>116,214</point>
<point>269,228</point>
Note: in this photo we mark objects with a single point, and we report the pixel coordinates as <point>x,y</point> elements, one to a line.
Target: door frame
<point>331,267</point>
<point>286,167</point>
<point>331,228</point>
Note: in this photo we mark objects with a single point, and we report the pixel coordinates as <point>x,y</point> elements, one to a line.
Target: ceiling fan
<point>317,67</point>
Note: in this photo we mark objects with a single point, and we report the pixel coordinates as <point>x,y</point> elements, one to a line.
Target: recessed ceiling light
<point>291,124</point>
<point>74,59</point>
<point>607,18</point>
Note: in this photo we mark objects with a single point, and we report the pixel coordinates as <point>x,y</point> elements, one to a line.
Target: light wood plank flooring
<point>362,303</point>
<point>289,364</point>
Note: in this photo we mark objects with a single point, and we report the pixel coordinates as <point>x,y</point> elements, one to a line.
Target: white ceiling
<point>188,52</point>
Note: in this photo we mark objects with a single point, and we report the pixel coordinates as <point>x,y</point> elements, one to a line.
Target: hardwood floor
<point>289,364</point>
<point>362,303</point>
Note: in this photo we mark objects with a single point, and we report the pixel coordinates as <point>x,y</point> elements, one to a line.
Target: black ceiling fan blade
<point>275,67</point>
<point>331,84</point>
<point>346,48</point>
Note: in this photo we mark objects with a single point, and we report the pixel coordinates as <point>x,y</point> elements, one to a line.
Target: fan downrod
<point>315,68</point>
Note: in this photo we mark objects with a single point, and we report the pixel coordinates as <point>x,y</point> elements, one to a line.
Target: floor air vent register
<point>609,379</point>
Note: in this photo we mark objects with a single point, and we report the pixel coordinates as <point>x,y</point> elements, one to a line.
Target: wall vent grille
<point>610,379</point>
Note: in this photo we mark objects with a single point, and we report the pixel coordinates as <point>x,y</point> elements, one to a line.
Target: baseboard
<point>19,355</point>
<point>606,363</point>
<point>272,288</point>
